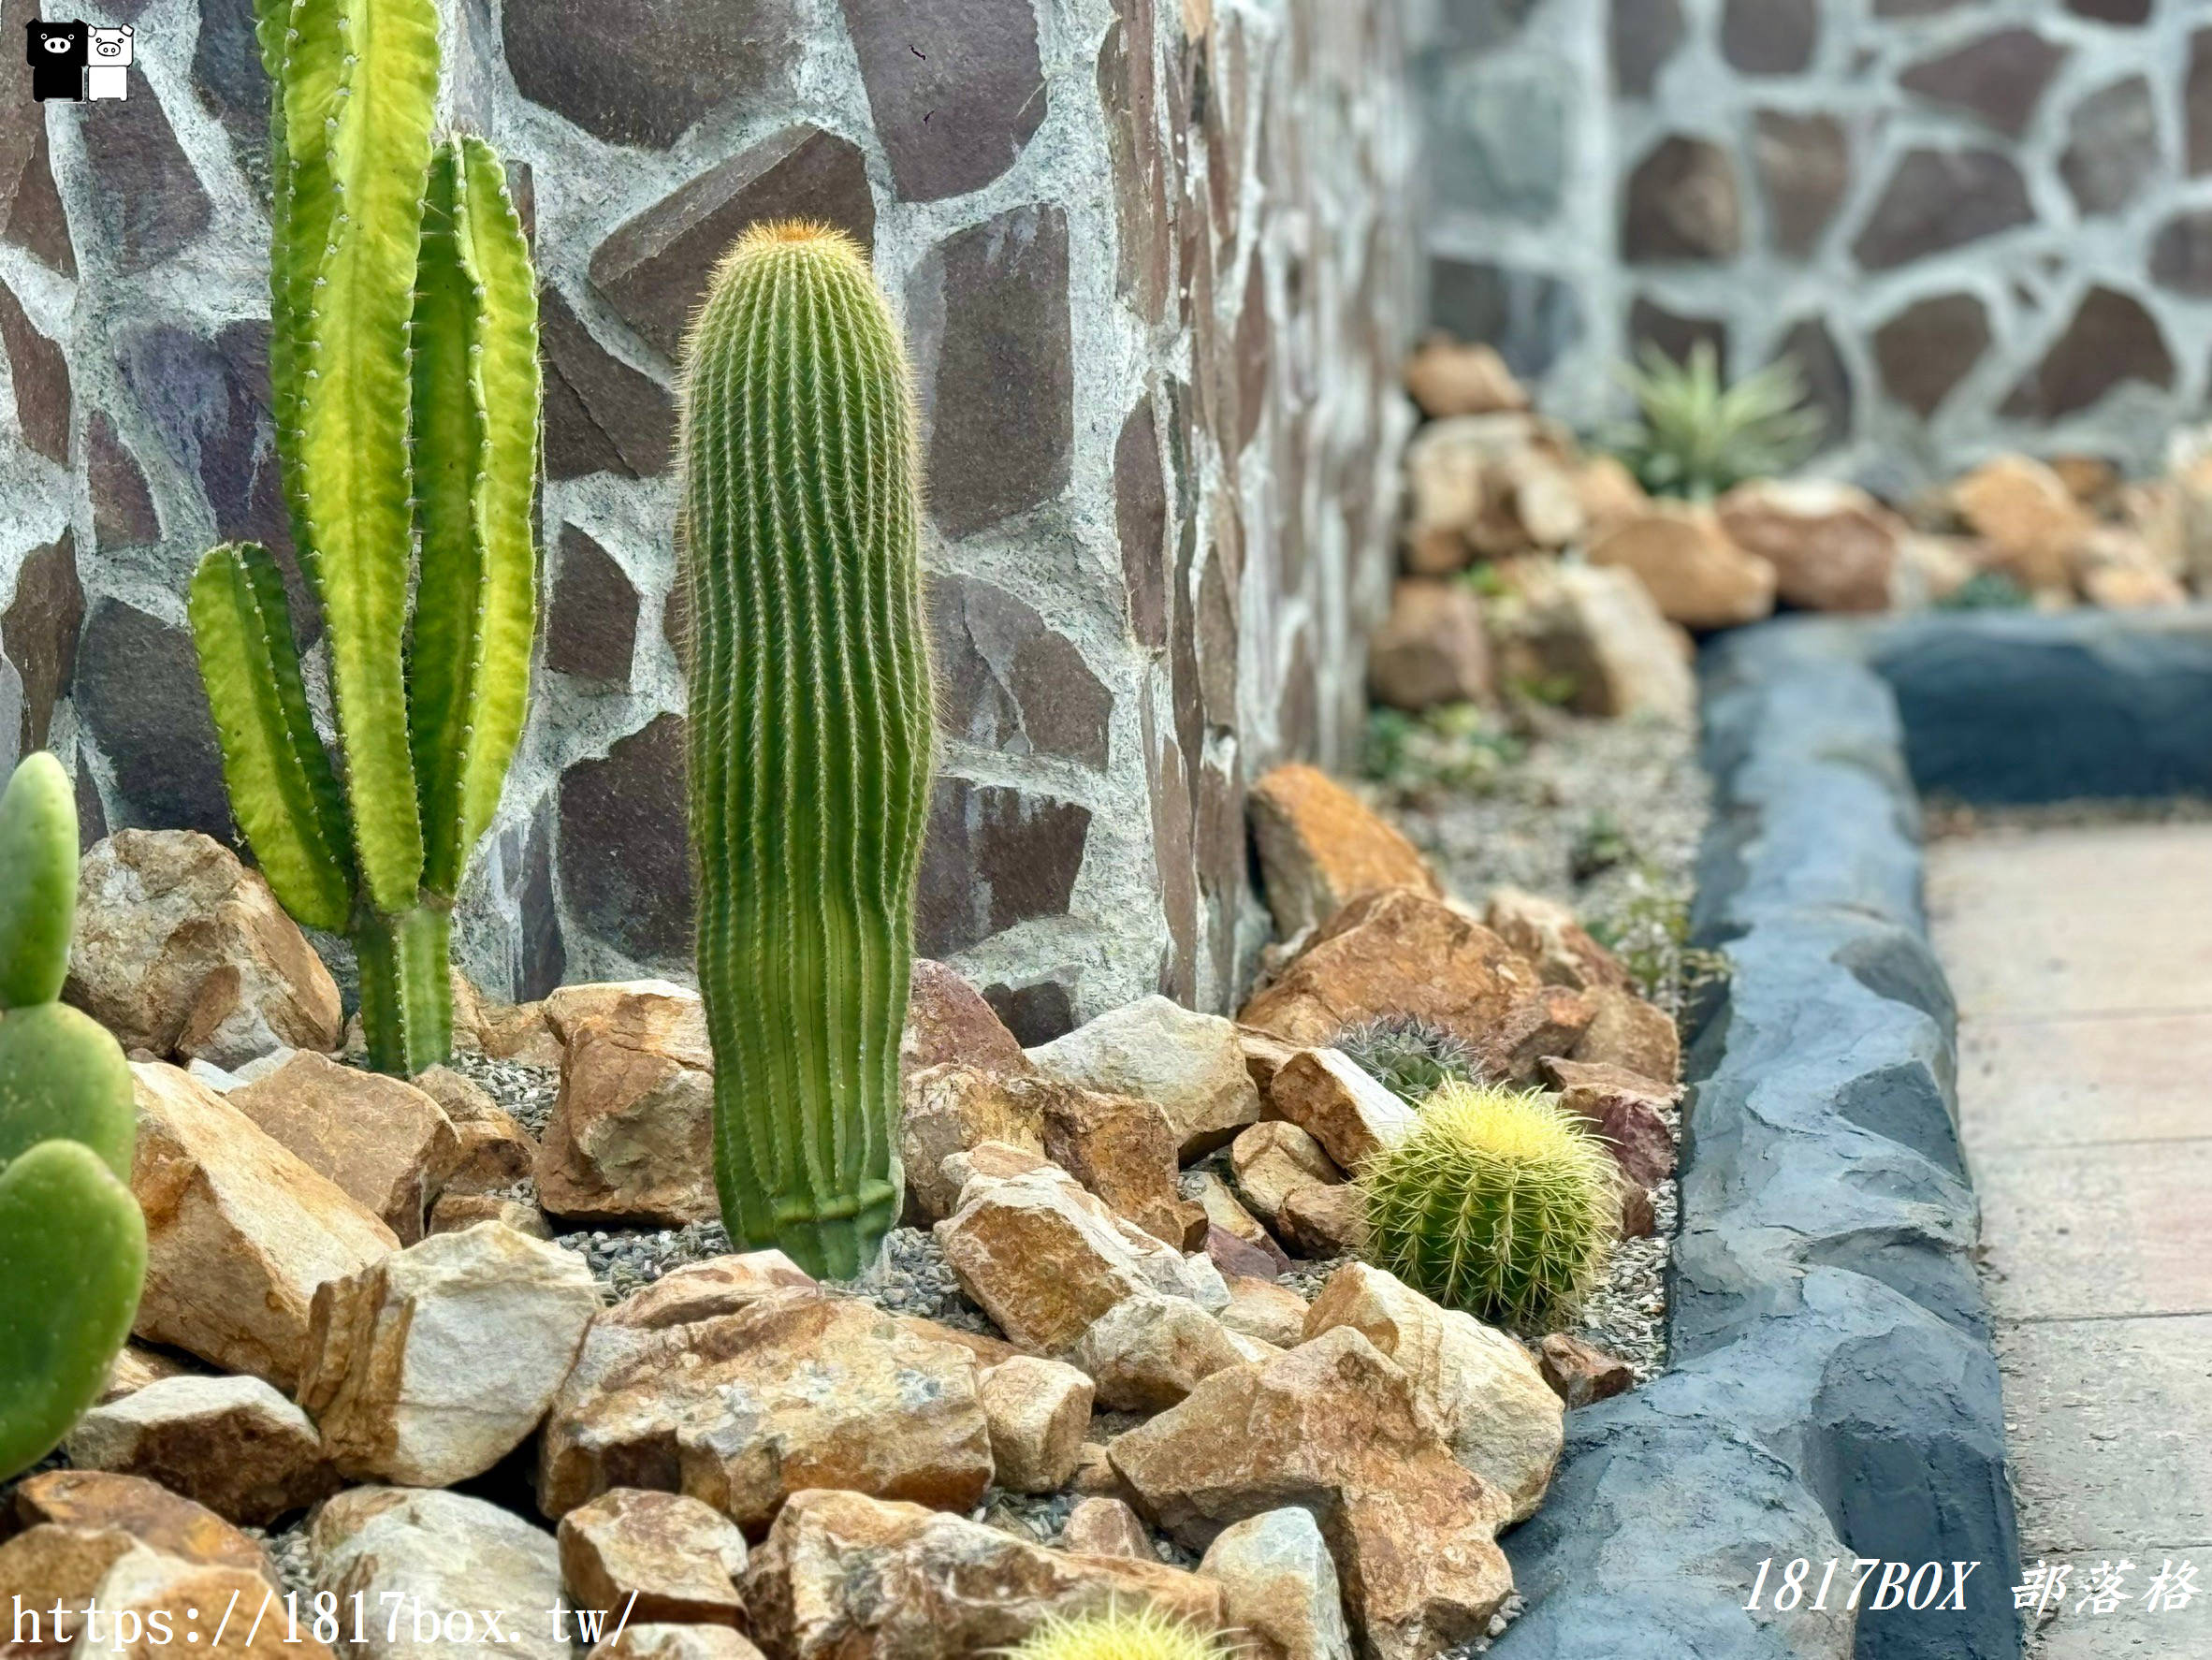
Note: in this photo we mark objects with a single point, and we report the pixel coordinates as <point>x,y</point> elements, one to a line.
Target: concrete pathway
<point>2082,962</point>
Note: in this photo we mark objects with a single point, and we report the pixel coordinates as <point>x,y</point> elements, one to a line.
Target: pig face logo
<point>58,54</point>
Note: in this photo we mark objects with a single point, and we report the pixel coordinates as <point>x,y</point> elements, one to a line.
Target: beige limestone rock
<point>1432,648</point>
<point>1281,1585</point>
<point>652,1004</point>
<point>1119,1147</point>
<point>1444,496</point>
<point>1832,546</point>
<point>97,1519</point>
<point>239,1231</point>
<point>1335,1426</point>
<point>453,1213</point>
<point>380,1139</point>
<point>2028,517</point>
<point>1400,952</point>
<point>949,1023</point>
<point>442,1554</point>
<point>631,1141</point>
<point>1262,1308</point>
<point>461,1099</point>
<point>1447,378</point>
<point>799,1390</point>
<point>1628,1032</point>
<point>1326,1094</point>
<point>702,1291</point>
<point>1609,492</point>
<point>1497,1414</point>
<point>1549,936</point>
<point>1189,1065</point>
<point>1106,1527</point>
<point>1225,1213</point>
<point>1697,575</point>
<point>1148,1351</point>
<point>950,1109</point>
<point>126,1508</point>
<point>1043,1259</point>
<point>152,1604</point>
<point>181,950</point>
<point>232,1444</point>
<point>1038,1410</point>
<point>435,1363</point>
<point>1271,1160</point>
<point>1324,1221</point>
<point>136,1368</point>
<point>843,1575</point>
<point>1597,630</point>
<point>1320,846</point>
<point>680,1559</point>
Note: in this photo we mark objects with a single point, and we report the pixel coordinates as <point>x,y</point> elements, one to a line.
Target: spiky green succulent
<point>1696,437</point>
<point>811,733</point>
<point>1410,1057</point>
<point>72,1239</point>
<point>403,372</point>
<point>1141,1633</point>
<point>1498,1203</point>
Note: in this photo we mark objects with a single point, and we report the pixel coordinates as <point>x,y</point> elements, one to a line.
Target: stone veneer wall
<point>1157,264</point>
<point>1978,223</point>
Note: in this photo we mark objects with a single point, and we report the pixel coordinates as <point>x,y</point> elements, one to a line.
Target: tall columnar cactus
<point>72,1241</point>
<point>404,376</point>
<point>811,733</point>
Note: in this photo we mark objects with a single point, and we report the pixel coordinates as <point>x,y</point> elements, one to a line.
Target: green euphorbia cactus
<point>404,373</point>
<point>811,733</point>
<point>72,1241</point>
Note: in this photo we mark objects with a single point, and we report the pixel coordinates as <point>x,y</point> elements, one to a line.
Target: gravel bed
<point>526,1092</point>
<point>1605,816</point>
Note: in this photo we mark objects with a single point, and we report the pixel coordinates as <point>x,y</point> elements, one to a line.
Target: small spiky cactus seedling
<point>1135,1634</point>
<point>72,1241</point>
<point>1412,1058</point>
<point>403,369</point>
<point>811,733</point>
<point>1498,1204</point>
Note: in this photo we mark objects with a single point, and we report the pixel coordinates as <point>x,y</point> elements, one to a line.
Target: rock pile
<point>1529,563</point>
<point>1162,1386</point>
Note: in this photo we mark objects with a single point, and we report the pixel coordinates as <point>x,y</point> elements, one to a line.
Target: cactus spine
<point>404,376</point>
<point>811,733</point>
<point>72,1241</point>
<point>1139,1633</point>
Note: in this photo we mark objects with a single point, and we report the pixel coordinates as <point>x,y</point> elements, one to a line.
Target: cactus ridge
<point>72,1239</point>
<point>811,732</point>
<point>405,382</point>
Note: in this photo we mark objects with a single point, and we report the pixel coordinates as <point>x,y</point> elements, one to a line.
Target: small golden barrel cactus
<point>1499,1203</point>
<point>1122,1634</point>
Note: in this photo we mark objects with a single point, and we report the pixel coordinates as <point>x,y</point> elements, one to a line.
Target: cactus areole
<point>404,369</point>
<point>72,1241</point>
<point>811,733</point>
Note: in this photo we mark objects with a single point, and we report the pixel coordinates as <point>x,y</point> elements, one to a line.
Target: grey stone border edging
<point>1832,1375</point>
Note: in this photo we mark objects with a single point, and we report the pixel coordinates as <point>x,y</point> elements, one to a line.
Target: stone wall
<point>1155,262</point>
<point>1978,223</point>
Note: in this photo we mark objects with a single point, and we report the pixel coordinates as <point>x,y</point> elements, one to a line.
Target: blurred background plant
<point>1454,747</point>
<point>1696,437</point>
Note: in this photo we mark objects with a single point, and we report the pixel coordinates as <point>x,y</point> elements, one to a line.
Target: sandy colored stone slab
<point>239,1231</point>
